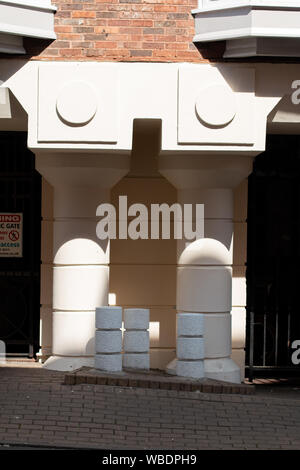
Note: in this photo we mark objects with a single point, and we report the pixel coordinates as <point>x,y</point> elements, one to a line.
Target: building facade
<point>163,102</point>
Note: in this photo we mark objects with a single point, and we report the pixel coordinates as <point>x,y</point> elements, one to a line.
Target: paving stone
<point>133,412</point>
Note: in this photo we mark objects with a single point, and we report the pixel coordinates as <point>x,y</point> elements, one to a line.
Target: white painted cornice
<point>250,27</point>
<point>27,18</point>
<point>209,5</point>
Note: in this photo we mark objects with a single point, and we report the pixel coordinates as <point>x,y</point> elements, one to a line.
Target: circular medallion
<point>76,103</point>
<point>216,105</point>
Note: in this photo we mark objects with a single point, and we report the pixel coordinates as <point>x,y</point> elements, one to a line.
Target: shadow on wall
<point>19,118</point>
<point>33,47</point>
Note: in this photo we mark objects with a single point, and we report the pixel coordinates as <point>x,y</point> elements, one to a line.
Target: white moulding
<point>249,23</point>
<point>10,44</point>
<point>29,18</point>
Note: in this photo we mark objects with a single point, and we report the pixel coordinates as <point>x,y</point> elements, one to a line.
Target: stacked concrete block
<point>136,338</point>
<point>108,341</point>
<point>190,345</point>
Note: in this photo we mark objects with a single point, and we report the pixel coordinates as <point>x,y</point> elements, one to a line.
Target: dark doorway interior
<point>273,259</point>
<point>20,192</point>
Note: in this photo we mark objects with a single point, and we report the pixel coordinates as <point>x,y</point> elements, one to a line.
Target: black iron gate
<point>20,192</point>
<point>273,260</point>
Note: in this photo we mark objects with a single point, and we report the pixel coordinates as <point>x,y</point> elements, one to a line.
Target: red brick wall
<point>124,30</point>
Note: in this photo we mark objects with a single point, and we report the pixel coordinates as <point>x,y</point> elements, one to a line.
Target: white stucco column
<point>204,279</point>
<point>80,259</point>
<point>204,266</point>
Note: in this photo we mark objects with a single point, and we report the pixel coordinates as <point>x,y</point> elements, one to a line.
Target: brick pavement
<point>37,409</point>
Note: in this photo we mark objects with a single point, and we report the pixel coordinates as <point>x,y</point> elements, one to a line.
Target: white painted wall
<point>143,272</point>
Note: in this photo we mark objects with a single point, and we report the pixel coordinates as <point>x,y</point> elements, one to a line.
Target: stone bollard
<point>190,345</point>
<point>108,341</point>
<point>136,338</point>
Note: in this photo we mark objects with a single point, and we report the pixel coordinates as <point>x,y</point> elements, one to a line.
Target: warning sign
<point>11,231</point>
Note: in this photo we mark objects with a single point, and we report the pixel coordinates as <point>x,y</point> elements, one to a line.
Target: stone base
<point>68,363</point>
<point>171,367</point>
<point>224,369</point>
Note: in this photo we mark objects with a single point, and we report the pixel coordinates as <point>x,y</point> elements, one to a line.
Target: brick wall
<point>123,30</point>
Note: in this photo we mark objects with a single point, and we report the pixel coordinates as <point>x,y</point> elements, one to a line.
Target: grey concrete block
<point>136,361</point>
<point>193,369</point>
<point>190,348</point>
<point>108,341</point>
<point>136,341</point>
<point>136,318</point>
<point>108,318</point>
<point>108,362</point>
<point>190,324</point>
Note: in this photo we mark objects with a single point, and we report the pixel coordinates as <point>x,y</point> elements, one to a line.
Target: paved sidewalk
<point>37,409</point>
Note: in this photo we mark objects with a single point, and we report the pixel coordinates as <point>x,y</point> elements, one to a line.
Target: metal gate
<point>20,192</point>
<point>273,260</point>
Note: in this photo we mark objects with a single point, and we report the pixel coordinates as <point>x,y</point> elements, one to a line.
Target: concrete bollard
<point>190,345</point>
<point>108,339</point>
<point>136,338</point>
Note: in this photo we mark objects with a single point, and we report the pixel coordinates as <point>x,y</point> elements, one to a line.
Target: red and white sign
<point>11,231</point>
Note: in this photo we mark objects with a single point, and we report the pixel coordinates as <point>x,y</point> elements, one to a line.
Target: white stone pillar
<point>108,339</point>
<point>80,275</point>
<point>204,279</point>
<point>136,338</point>
<point>204,266</point>
<point>80,259</point>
